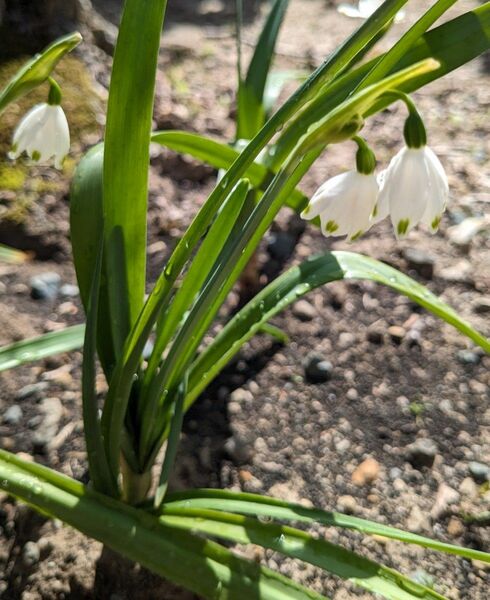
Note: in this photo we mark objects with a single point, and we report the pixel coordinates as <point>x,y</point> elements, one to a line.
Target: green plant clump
<point>185,536</point>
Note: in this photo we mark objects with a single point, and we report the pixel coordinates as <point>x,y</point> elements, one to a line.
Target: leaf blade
<point>265,506</point>
<point>37,348</point>
<point>298,544</point>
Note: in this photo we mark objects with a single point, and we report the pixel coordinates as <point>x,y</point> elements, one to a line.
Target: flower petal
<point>43,134</point>
<point>344,204</point>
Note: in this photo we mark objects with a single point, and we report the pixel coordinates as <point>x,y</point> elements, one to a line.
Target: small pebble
<point>396,333</point>
<point>462,234</point>
<point>32,389</point>
<point>460,272</point>
<point>479,471</point>
<point>455,528</point>
<point>317,369</point>
<point>304,311</point>
<point>420,262</point>
<point>417,521</point>
<point>469,488</point>
<point>281,245</point>
<point>45,286</point>
<point>421,453</point>
<point>468,357</point>
<point>241,396</point>
<point>68,290</point>
<point>347,504</point>
<point>352,394</point>
<point>365,473</point>
<point>12,415</point>
<point>30,554</point>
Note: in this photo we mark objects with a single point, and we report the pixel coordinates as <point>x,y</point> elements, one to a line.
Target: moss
<point>12,176</point>
<point>19,209</point>
<point>45,186</point>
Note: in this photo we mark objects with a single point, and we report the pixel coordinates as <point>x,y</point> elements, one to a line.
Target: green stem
<point>54,97</point>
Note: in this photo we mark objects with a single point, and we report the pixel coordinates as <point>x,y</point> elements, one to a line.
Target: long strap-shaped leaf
<point>100,473</point>
<point>41,346</point>
<point>125,181</point>
<point>298,544</point>
<point>126,158</point>
<point>86,226</point>
<point>298,281</point>
<point>200,565</point>
<point>264,506</point>
<point>250,104</point>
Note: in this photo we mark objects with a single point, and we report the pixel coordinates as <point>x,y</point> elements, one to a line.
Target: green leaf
<point>11,255</point>
<point>265,506</point>
<point>280,335</point>
<point>298,544</point>
<point>126,158</point>
<point>102,478</point>
<point>86,227</point>
<point>38,69</point>
<point>125,184</point>
<point>251,110</point>
<point>296,282</point>
<point>202,566</point>
<point>172,444</point>
<point>41,346</point>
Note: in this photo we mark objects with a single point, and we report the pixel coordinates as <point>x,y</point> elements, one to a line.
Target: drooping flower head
<point>43,133</point>
<point>345,203</point>
<point>414,187</point>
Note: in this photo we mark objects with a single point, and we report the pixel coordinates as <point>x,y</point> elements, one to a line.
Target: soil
<point>398,374</point>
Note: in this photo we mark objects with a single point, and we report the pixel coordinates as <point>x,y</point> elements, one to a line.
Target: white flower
<point>43,134</point>
<point>364,10</point>
<point>344,204</point>
<point>414,188</point>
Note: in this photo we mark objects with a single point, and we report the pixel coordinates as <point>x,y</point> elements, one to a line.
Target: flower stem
<point>54,97</point>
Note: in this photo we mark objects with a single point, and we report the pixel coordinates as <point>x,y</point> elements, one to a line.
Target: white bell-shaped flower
<point>414,189</point>
<point>43,134</point>
<point>344,204</point>
<point>364,9</point>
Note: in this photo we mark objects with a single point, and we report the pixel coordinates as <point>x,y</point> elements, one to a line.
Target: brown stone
<point>366,472</point>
